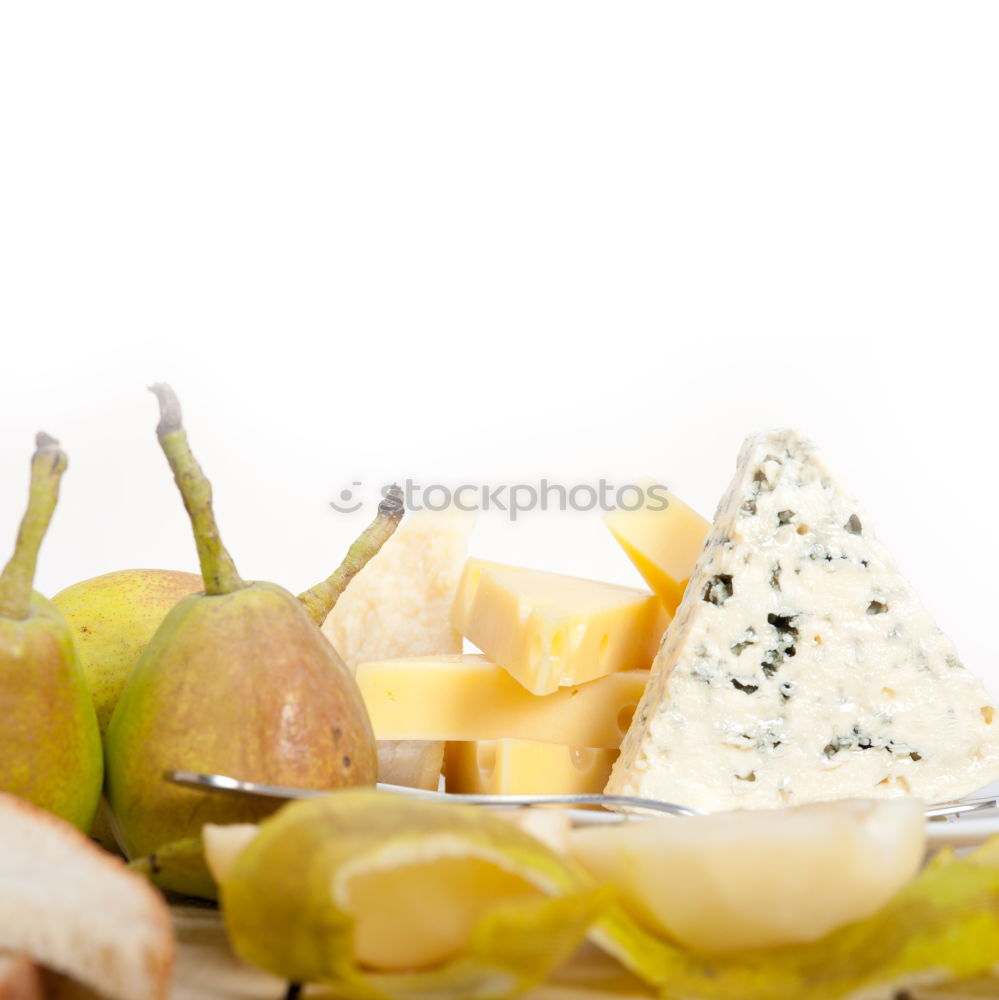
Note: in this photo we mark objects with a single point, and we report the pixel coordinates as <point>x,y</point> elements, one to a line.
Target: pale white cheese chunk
<point>801,666</point>
<point>400,605</point>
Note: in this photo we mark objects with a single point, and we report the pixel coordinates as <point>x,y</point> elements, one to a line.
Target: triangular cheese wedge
<point>801,666</point>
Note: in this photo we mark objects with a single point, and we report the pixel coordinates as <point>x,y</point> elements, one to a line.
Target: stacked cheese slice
<point>546,707</point>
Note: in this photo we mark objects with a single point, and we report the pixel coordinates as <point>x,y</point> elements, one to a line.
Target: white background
<point>490,243</point>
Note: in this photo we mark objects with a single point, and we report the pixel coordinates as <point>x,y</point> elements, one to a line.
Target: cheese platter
<point>765,773</point>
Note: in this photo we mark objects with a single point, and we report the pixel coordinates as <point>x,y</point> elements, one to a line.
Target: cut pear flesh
<point>388,898</point>
<point>408,914</point>
<point>758,879</point>
<point>417,914</point>
<point>223,843</point>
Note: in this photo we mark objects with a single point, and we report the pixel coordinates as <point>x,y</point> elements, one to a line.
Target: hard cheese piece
<point>525,767</point>
<point>801,666</point>
<point>468,697</point>
<point>663,538</point>
<point>550,630</point>
<point>400,605</point>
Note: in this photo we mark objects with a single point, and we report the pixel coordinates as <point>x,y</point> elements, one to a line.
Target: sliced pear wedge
<point>942,927</point>
<point>758,879</point>
<point>223,843</point>
<point>381,896</point>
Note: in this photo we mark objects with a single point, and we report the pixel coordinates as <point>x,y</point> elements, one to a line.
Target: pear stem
<point>18,578</point>
<point>217,568</point>
<point>320,600</point>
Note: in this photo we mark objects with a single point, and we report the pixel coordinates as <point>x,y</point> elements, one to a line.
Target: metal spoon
<point>233,786</point>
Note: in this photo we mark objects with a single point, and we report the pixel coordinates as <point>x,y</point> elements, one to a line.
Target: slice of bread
<point>75,909</point>
<point>19,978</point>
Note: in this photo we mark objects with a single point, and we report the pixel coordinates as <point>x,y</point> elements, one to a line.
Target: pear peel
<point>333,871</point>
<point>942,926</point>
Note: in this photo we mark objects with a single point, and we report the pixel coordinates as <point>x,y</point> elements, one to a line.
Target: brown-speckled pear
<point>50,749</point>
<point>113,617</point>
<point>237,680</point>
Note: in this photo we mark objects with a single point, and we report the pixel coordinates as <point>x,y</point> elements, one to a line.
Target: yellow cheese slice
<point>468,697</point>
<point>526,767</point>
<point>663,544</point>
<point>550,630</point>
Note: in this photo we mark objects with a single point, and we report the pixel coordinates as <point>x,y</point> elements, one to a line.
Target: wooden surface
<point>208,970</point>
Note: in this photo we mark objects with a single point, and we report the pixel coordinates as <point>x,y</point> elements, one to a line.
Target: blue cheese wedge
<point>801,666</point>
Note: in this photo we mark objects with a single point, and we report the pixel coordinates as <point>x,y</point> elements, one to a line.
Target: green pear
<point>237,680</point>
<point>50,747</point>
<point>113,617</point>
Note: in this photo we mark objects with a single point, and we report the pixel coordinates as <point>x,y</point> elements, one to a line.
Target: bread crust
<point>159,948</point>
<point>19,979</point>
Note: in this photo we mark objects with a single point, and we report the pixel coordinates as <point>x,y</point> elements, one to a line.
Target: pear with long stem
<point>237,680</point>
<point>180,864</point>
<point>50,748</point>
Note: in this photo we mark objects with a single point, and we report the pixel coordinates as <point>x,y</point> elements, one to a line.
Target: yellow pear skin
<point>50,748</point>
<point>242,684</point>
<point>113,617</point>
